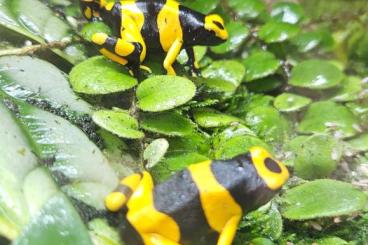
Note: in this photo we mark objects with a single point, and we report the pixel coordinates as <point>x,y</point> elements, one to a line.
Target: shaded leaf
<point>287,12</point>
<point>260,64</point>
<point>247,9</point>
<point>155,152</point>
<point>287,102</point>
<point>274,32</point>
<point>209,118</point>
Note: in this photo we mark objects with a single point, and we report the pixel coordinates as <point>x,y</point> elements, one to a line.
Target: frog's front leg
<point>192,63</point>
<point>119,50</point>
<point>171,56</point>
<point>117,199</point>
<point>228,232</point>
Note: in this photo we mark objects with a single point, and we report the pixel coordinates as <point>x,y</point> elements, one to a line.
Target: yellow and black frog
<point>203,202</point>
<point>144,25</point>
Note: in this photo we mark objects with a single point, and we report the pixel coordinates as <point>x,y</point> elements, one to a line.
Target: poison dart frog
<point>141,25</point>
<point>205,201</point>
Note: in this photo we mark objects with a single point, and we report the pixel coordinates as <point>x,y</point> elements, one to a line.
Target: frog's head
<point>215,28</point>
<point>264,176</point>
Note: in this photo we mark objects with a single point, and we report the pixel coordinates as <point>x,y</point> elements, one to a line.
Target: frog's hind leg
<point>192,63</point>
<point>119,50</point>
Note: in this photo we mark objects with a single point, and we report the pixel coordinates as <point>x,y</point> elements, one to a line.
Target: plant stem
<point>30,49</point>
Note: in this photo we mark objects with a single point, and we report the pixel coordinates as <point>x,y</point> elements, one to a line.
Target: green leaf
<point>328,116</point>
<point>360,143</point>
<point>32,79</point>
<point>18,16</point>
<point>172,164</point>
<point>287,12</point>
<point>155,152</point>
<point>265,84</point>
<point>287,102</point>
<point>322,198</point>
<point>316,156</point>
<point>118,122</point>
<point>350,90</point>
<point>103,234</point>
<point>202,6</point>
<point>161,93</point>
<point>91,28</point>
<point>199,53</point>
<point>99,75</point>
<point>260,64</point>
<point>261,241</point>
<point>268,124</point>
<point>247,9</point>
<point>238,33</point>
<point>316,74</point>
<point>332,241</point>
<point>169,123</point>
<point>234,141</point>
<point>308,41</point>
<point>223,75</point>
<point>275,32</point>
<point>209,118</point>
<point>57,223</point>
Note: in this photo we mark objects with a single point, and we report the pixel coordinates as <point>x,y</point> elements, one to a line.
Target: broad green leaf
<point>265,84</point>
<point>103,234</point>
<point>118,122</point>
<point>261,241</point>
<point>91,28</point>
<point>208,118</point>
<point>359,143</point>
<point>287,12</point>
<point>28,79</point>
<point>316,156</point>
<point>316,74</point>
<point>155,152</point>
<point>287,102</point>
<point>275,32</point>
<point>260,64</point>
<point>308,41</point>
<point>351,89</point>
<point>247,9</point>
<point>199,53</point>
<point>238,33</point>
<point>328,116</point>
<point>169,123</point>
<point>332,241</point>
<point>69,154</point>
<point>268,124</point>
<point>195,142</point>
<point>223,75</point>
<point>172,164</point>
<point>321,198</point>
<point>19,16</point>
<point>57,223</point>
<point>161,93</point>
<point>99,75</point>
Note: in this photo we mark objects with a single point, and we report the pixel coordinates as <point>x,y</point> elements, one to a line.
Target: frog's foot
<point>145,68</point>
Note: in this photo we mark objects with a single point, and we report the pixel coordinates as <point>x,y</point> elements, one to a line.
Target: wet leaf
<point>238,33</point>
<point>360,143</point>
<point>328,116</point>
<point>287,12</point>
<point>91,28</point>
<point>118,122</point>
<point>199,53</point>
<point>350,90</point>
<point>161,93</point>
<point>169,123</point>
<point>202,6</point>
<point>260,64</point>
<point>275,32</point>
<point>266,84</point>
<point>155,152</point>
<point>321,198</point>
<point>98,75</point>
<point>308,41</point>
<point>247,9</point>
<point>288,102</point>
<point>208,118</point>
<point>316,156</point>
<point>316,74</point>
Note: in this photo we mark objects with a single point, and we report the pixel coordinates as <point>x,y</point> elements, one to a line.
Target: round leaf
<point>287,102</point>
<point>98,75</point>
<point>160,93</point>
<point>155,152</point>
<point>316,156</point>
<point>321,198</point>
<point>327,116</point>
<point>248,9</point>
<point>208,118</point>
<point>94,27</point>
<point>287,12</point>
<point>167,123</point>
<point>118,122</point>
<point>360,143</point>
<point>350,90</point>
<point>316,74</point>
<point>275,32</point>
<point>259,65</point>
<point>238,32</point>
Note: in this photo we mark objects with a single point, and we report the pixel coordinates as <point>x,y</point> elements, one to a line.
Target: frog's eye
<point>273,172</point>
<point>219,25</point>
